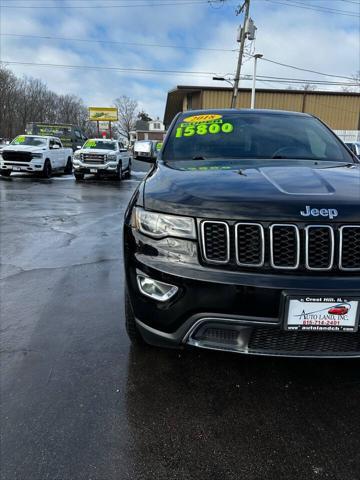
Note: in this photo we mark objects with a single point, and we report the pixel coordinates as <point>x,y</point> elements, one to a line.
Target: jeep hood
<point>269,193</point>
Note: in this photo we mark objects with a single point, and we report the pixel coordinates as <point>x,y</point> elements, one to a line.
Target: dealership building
<point>339,110</point>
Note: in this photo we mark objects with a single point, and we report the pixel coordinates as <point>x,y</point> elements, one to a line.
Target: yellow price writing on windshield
<point>204,129</point>
<point>90,144</point>
<point>202,118</point>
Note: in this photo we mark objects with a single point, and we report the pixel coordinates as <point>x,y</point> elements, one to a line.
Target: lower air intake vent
<point>219,335</point>
<point>272,339</point>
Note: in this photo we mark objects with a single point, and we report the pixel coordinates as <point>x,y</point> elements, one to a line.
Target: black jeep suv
<point>245,237</point>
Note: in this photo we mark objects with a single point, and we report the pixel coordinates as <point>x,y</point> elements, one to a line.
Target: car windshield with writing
<point>252,135</point>
<point>100,145</point>
<point>29,140</point>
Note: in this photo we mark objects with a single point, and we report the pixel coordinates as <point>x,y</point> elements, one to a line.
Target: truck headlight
<point>111,157</point>
<point>160,225</point>
<point>77,155</point>
<point>36,155</point>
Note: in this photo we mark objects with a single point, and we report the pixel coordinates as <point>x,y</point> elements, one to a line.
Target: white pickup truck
<point>102,157</point>
<point>35,154</point>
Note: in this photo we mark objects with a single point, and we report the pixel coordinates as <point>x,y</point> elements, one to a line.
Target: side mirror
<point>78,147</point>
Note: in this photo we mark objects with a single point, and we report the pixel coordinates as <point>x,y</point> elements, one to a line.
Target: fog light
<point>156,290</point>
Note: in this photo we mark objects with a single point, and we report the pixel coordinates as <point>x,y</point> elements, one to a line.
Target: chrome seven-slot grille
<point>281,246</point>
<point>95,158</point>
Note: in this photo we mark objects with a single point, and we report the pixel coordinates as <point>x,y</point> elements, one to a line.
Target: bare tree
<point>127,111</point>
<point>354,88</point>
<point>144,116</point>
<point>308,87</point>
<point>24,100</point>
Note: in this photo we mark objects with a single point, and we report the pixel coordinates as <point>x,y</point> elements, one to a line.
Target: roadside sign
<point>104,126</point>
<point>104,114</point>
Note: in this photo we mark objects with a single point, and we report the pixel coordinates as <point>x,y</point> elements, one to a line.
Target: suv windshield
<point>258,135</point>
<point>27,140</point>
<point>100,144</point>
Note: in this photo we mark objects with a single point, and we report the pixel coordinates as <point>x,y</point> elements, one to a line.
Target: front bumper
<point>13,166</point>
<point>105,168</point>
<point>230,311</point>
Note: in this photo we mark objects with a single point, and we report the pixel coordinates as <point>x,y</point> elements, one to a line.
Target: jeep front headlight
<point>160,225</point>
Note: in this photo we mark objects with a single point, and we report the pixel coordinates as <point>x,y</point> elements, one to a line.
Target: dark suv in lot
<point>245,237</point>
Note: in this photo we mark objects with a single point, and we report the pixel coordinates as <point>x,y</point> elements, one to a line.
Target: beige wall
<point>339,112</point>
<point>192,101</point>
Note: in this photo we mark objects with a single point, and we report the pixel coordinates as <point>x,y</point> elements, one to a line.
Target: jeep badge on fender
<point>324,212</point>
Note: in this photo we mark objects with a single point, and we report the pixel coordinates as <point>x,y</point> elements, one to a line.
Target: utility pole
<point>256,57</point>
<point>246,6</point>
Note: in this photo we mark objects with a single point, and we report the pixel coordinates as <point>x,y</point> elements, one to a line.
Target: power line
<point>99,67</point>
<point>314,8</point>
<point>180,72</point>
<point>132,5</point>
<point>319,7</point>
<point>350,1</point>
<point>305,69</point>
<point>89,40</point>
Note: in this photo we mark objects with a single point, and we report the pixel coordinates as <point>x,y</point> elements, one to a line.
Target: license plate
<point>17,169</point>
<point>322,313</point>
<point>93,170</point>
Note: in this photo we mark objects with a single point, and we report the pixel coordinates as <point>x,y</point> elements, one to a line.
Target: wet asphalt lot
<point>79,403</point>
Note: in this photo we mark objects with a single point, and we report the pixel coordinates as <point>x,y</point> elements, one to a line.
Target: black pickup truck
<point>245,237</point>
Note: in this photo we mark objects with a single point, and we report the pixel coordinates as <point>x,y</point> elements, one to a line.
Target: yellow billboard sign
<point>103,114</point>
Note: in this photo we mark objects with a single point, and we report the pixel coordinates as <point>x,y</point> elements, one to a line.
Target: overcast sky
<point>318,40</point>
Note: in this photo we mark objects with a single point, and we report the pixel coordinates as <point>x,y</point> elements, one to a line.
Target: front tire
<point>46,173</point>
<point>79,177</point>
<point>130,324</point>
<point>68,168</point>
<point>128,171</point>
<point>119,172</point>
<point>5,173</point>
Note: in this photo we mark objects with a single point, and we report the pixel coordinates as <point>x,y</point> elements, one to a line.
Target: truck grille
<point>281,246</point>
<point>93,158</point>
<point>14,156</point>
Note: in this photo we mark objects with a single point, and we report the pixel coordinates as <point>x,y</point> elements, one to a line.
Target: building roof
<point>175,97</point>
<point>205,111</point>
